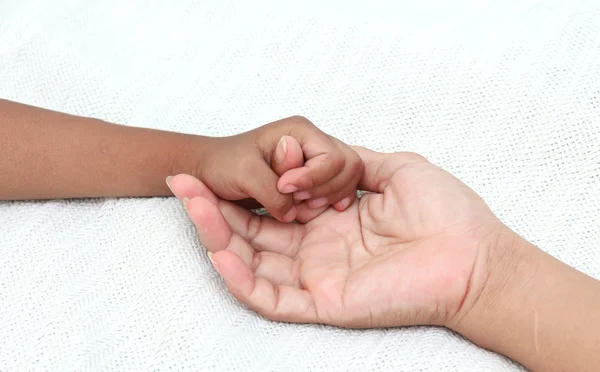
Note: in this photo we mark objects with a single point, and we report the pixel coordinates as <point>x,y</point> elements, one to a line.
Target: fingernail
<point>287,189</point>
<point>302,195</point>
<point>290,215</point>
<point>318,203</point>
<point>281,150</point>
<point>168,181</point>
<point>283,144</point>
<point>185,201</point>
<point>343,204</point>
<point>210,257</point>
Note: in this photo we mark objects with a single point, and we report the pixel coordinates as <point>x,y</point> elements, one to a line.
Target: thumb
<point>287,155</point>
<point>184,186</point>
<point>380,167</point>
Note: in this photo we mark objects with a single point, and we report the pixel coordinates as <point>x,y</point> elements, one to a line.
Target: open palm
<point>408,252</point>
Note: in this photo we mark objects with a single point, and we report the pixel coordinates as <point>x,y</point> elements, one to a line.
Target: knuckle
<point>357,165</point>
<point>329,164</point>
<point>253,228</point>
<point>307,183</point>
<point>315,180</point>
<point>337,161</point>
<point>323,190</point>
<point>256,261</point>
<point>300,120</point>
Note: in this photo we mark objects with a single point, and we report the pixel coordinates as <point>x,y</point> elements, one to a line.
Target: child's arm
<point>47,155</point>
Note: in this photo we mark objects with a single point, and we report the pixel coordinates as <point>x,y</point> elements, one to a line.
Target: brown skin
<point>48,155</point>
<point>535,309</point>
<point>239,167</point>
<point>421,248</point>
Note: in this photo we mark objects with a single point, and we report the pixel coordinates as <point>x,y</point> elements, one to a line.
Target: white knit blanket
<point>504,94</point>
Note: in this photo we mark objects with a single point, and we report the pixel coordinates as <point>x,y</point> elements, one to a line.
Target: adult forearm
<point>538,311</point>
<point>46,155</point>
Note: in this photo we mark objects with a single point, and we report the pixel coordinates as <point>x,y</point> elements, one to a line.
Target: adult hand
<point>422,248</point>
<point>413,251</point>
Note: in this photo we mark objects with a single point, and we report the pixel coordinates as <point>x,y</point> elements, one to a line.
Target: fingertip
<point>214,232</point>
<point>212,260</point>
<point>343,204</point>
<point>302,195</point>
<point>168,182</point>
<point>280,206</point>
<point>262,187</point>
<point>317,203</point>
<point>298,177</point>
<point>237,276</point>
<point>287,188</point>
<point>290,215</point>
<point>306,214</point>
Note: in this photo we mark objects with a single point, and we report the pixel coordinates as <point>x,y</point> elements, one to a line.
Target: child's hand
<point>247,165</point>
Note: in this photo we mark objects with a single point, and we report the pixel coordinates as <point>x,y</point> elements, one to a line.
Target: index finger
<point>324,157</point>
<point>315,172</point>
<point>261,185</point>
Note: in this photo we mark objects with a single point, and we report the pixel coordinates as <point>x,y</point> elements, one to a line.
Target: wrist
<point>494,321</point>
<point>191,155</point>
<point>535,309</point>
<point>148,157</point>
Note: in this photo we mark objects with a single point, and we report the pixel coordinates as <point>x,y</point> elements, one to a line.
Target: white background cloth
<point>504,94</point>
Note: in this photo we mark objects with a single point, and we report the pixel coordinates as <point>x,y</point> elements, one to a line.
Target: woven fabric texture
<point>504,94</point>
